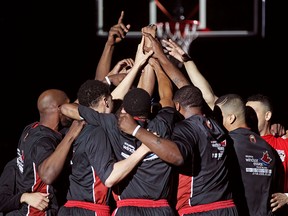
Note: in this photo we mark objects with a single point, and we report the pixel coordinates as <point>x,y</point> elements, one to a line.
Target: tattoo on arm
<point>158,141</point>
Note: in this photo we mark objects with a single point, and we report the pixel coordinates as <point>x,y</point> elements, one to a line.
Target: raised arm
<point>194,74</point>
<point>147,78</point>
<point>116,34</point>
<point>170,69</point>
<point>140,60</point>
<point>165,87</point>
<point>119,71</point>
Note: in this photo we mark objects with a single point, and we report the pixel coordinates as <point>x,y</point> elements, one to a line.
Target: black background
<point>53,44</point>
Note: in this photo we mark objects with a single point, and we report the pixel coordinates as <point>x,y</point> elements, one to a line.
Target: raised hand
<point>122,66</point>
<point>118,32</point>
<point>155,44</point>
<point>175,50</point>
<point>141,57</point>
<point>151,29</point>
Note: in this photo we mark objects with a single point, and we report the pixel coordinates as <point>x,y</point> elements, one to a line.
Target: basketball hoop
<point>181,32</point>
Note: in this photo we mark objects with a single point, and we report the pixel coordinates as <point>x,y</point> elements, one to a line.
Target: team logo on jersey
<point>208,124</point>
<point>266,159</point>
<point>258,166</point>
<point>252,138</point>
<point>223,143</point>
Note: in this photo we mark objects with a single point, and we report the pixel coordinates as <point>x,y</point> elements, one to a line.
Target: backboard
<point>216,18</point>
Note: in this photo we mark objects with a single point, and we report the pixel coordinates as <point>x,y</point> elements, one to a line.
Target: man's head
<point>233,110</point>
<point>48,104</point>
<point>262,105</point>
<point>187,98</point>
<point>137,103</point>
<point>96,95</point>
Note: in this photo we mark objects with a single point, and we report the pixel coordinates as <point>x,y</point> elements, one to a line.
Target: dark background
<point>53,44</point>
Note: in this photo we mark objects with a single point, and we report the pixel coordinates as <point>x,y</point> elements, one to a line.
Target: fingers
<point>120,20</point>
<point>118,31</point>
<point>149,36</point>
<point>142,42</point>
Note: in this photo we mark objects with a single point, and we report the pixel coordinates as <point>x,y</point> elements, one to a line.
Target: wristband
<point>108,80</point>
<point>136,130</point>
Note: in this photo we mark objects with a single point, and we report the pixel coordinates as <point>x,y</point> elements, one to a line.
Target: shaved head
<point>51,99</point>
<point>48,105</point>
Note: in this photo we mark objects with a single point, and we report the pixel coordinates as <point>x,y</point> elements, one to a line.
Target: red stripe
<point>101,210</point>
<point>142,203</point>
<point>207,207</point>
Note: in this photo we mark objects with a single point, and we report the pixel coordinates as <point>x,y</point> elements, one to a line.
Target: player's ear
<point>232,118</point>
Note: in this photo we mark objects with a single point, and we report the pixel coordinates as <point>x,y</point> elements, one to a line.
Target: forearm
<point>199,81</point>
<point>104,63</point>
<point>122,168</point>
<point>115,79</point>
<point>51,167</point>
<point>126,83</point>
<point>173,72</point>
<point>165,88</point>
<point>147,79</point>
<point>164,148</point>
<point>71,110</point>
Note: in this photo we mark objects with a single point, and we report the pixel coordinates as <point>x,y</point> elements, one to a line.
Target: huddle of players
<point>187,165</point>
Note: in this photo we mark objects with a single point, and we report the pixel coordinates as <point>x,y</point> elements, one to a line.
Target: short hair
<point>91,91</point>
<point>232,104</point>
<point>137,102</point>
<point>265,100</point>
<point>189,96</point>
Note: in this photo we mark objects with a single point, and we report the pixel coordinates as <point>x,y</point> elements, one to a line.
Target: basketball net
<point>181,32</point>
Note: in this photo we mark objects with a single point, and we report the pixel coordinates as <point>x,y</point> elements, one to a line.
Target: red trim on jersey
<point>101,210</point>
<point>207,207</point>
<point>139,119</point>
<point>142,203</point>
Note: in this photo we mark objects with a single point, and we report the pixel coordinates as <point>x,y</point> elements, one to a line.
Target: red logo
<point>266,158</point>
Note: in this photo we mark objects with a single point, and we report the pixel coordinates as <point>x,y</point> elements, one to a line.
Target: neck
<point>190,111</point>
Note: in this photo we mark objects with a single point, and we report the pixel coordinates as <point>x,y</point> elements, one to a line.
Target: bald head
<point>51,99</point>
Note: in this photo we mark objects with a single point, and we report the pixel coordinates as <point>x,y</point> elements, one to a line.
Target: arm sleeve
<point>95,118</point>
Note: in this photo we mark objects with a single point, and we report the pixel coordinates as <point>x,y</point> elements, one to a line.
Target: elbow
<point>47,180</point>
<point>109,183</point>
<point>64,110</point>
<point>178,161</point>
<point>174,159</point>
<point>47,176</point>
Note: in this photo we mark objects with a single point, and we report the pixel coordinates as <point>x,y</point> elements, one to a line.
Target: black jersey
<point>9,200</point>
<point>36,143</point>
<point>91,164</point>
<point>151,178</point>
<point>204,176</point>
<point>258,163</point>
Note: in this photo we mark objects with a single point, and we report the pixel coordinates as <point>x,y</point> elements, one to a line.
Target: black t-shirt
<point>91,164</point>
<point>36,143</point>
<point>259,166</point>
<point>204,176</point>
<point>151,178</point>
